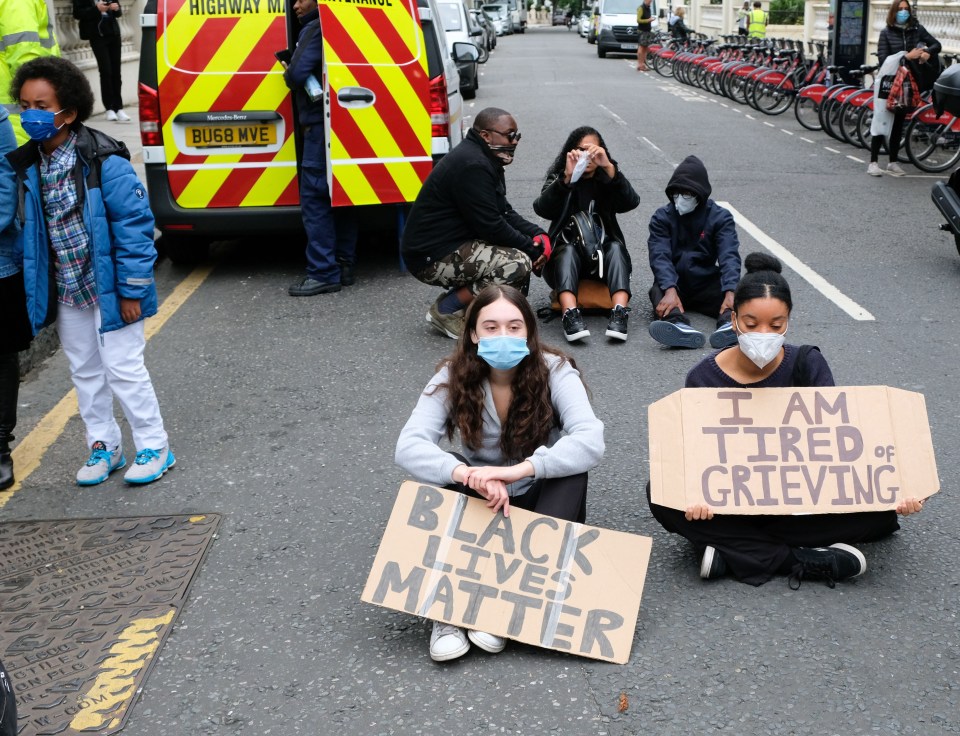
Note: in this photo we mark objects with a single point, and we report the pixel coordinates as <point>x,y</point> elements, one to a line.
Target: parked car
<point>461,31</point>
<point>559,17</point>
<point>501,17</point>
<point>518,15</point>
<point>583,24</point>
<point>489,32</point>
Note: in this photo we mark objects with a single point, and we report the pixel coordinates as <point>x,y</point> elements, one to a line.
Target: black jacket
<point>894,39</point>
<point>464,199</point>
<point>307,59</point>
<point>92,23</point>
<point>609,196</point>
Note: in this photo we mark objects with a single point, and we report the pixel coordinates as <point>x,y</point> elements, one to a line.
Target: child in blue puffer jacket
<point>83,207</point>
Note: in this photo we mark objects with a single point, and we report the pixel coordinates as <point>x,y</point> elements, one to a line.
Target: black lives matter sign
<point>540,580</point>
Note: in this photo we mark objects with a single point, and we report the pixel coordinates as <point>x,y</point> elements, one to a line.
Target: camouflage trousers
<point>476,264</point>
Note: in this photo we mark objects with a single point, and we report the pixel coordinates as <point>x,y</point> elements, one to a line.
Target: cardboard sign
<point>821,450</point>
<point>540,580</point>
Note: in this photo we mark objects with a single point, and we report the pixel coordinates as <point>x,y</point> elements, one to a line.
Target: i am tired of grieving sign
<point>829,449</point>
<point>540,580</point>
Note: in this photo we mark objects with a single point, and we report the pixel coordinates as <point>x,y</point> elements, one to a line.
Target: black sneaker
<point>712,566</point>
<point>676,334</point>
<point>617,326</point>
<point>833,564</point>
<point>573,325</point>
<point>347,273</point>
<point>311,287</point>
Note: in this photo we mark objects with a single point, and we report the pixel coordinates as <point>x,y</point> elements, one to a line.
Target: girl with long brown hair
<point>528,434</point>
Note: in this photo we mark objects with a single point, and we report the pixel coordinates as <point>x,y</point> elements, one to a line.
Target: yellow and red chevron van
<point>217,121</point>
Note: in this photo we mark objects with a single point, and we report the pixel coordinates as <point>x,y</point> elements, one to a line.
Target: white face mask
<point>685,203</point>
<point>760,347</point>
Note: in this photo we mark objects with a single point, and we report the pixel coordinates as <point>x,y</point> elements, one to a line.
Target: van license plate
<point>223,136</point>
<point>628,46</point>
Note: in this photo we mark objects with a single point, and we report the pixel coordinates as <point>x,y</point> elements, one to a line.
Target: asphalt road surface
<point>284,413</point>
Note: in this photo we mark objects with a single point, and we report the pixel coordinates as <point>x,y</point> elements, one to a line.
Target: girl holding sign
<point>755,548</point>
<point>526,427</point>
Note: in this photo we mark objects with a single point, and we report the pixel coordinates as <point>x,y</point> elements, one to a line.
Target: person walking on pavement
<point>462,234</point>
<point>755,548</point>
<point>600,188</point>
<point>904,36</point>
<point>743,18</point>
<point>331,231</point>
<point>25,33</point>
<point>757,25</point>
<point>527,431</point>
<point>644,33</point>
<point>88,222</point>
<point>97,23</point>
<point>15,332</point>
<point>695,258</point>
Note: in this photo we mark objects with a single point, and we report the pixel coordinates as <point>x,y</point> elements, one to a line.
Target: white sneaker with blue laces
<point>150,465</point>
<point>100,464</point>
<point>676,334</point>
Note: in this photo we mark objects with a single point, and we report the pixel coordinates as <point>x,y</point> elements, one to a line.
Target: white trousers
<point>108,365</point>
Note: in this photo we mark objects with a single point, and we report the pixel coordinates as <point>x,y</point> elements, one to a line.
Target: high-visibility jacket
<point>25,33</point>
<point>758,24</point>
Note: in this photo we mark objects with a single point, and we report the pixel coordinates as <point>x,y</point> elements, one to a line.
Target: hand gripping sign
<point>540,580</point>
<point>820,450</point>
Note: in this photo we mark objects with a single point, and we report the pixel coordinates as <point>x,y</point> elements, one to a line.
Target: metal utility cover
<point>85,605</point>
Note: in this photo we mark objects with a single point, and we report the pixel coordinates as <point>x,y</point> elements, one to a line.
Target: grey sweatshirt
<point>576,447</point>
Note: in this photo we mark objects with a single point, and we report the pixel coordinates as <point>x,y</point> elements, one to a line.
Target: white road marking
<point>832,150</point>
<point>806,140</point>
<point>854,158</point>
<point>817,281</point>
<point>770,124</point>
<point>651,144</point>
<point>616,118</point>
<point>788,132</point>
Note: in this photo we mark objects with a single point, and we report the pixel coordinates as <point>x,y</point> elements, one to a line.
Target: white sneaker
<point>893,168</point>
<point>150,465</point>
<point>874,169</point>
<point>100,464</point>
<point>487,642</point>
<point>447,642</point>
<point>122,116</point>
<point>111,116</point>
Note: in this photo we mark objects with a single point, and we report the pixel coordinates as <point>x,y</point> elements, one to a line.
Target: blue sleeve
<point>728,248</point>
<point>8,180</point>
<point>307,58</point>
<point>131,227</point>
<point>660,247</point>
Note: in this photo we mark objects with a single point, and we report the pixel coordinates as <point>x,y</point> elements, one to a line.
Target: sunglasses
<point>513,136</point>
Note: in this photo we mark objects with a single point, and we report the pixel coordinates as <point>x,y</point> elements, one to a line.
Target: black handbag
<point>886,82</point>
<point>585,232</point>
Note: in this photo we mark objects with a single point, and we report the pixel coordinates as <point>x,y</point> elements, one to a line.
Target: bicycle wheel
<point>807,112</point>
<point>932,143</point>
<point>773,98</point>
<point>850,116</point>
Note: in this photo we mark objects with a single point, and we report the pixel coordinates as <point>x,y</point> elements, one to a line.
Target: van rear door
<point>377,93</point>
<point>225,112</point>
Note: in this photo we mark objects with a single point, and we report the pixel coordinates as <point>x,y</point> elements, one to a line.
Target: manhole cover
<point>85,605</point>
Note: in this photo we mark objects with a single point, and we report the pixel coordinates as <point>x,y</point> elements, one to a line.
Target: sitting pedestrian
<point>87,220</point>
<point>695,258</point>
<point>462,234</point>
<point>755,548</point>
<point>602,189</point>
<point>528,434</point>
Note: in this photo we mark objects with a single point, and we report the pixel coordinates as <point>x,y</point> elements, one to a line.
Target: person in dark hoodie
<point>695,258</point>
<point>462,234</point>
<point>603,189</point>
<point>331,231</point>
<point>97,23</point>
<point>8,705</point>
<point>86,220</point>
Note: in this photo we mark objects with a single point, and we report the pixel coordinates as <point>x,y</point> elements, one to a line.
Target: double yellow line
<point>28,454</point>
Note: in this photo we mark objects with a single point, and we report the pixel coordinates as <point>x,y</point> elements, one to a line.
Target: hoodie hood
<point>690,175</point>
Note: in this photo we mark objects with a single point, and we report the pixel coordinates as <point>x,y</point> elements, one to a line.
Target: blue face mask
<point>903,16</point>
<point>39,125</point>
<point>503,352</point>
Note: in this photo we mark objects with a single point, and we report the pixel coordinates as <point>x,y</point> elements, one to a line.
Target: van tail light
<point>150,134</point>
<point>439,108</point>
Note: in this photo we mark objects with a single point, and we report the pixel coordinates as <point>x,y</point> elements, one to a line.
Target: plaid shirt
<point>76,286</point>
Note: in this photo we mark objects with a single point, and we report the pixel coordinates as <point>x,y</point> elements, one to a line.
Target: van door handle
<point>354,97</point>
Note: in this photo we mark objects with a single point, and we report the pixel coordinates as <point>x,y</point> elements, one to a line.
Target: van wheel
<point>601,52</point>
<point>183,249</point>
